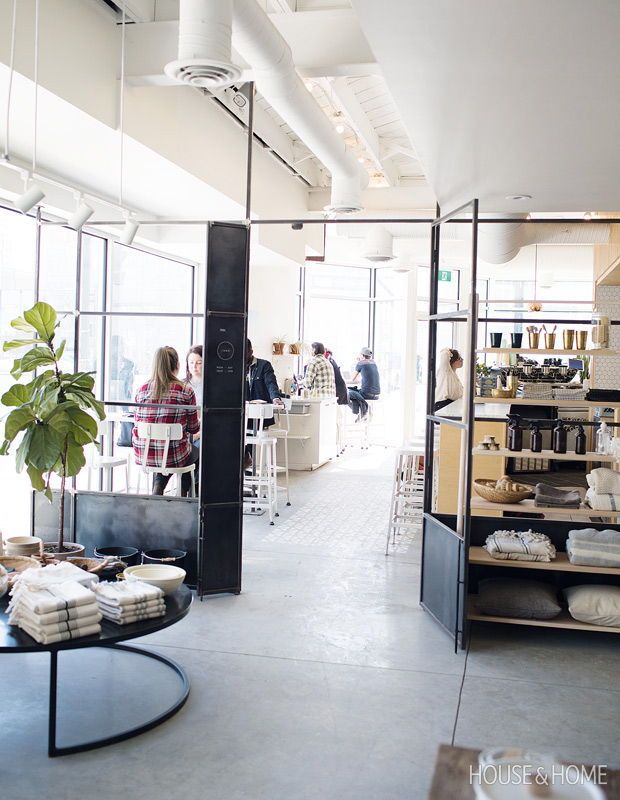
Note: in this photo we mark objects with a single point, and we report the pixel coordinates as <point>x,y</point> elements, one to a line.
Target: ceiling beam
<point>345,98</point>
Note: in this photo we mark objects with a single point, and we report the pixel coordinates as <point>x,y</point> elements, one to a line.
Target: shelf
<point>478,555</point>
<point>528,507</point>
<point>534,401</point>
<point>563,620</point>
<point>544,352</point>
<point>297,437</point>
<point>546,454</point>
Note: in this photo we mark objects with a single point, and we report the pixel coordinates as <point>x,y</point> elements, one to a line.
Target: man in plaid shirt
<point>172,392</point>
<point>320,380</point>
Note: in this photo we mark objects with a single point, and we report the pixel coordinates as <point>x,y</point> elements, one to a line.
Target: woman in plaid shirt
<point>166,388</point>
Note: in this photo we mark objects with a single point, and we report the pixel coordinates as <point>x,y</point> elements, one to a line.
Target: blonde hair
<point>164,373</point>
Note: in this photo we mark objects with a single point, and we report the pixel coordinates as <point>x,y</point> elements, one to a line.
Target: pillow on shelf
<point>596,605</point>
<point>515,597</point>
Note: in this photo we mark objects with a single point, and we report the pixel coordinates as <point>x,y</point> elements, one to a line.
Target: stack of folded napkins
<point>604,491</point>
<point>520,546</point>
<point>548,495</point>
<point>129,601</point>
<point>51,606</point>
<point>593,548</point>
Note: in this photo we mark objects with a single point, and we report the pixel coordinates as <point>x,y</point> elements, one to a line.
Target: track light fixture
<point>30,198</point>
<point>129,231</point>
<point>81,215</point>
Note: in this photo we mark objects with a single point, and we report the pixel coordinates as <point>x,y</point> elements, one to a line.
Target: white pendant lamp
<point>80,216</point>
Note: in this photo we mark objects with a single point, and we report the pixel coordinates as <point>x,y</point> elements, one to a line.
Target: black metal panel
<point>222,431</point>
<point>440,573</point>
<point>148,523</point>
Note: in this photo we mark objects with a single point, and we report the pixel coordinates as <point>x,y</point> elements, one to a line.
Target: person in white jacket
<point>449,386</point>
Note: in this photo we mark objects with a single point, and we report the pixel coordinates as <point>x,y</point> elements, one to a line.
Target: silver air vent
<point>203,74</point>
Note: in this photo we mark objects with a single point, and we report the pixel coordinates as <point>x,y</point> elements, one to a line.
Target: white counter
<point>312,437</point>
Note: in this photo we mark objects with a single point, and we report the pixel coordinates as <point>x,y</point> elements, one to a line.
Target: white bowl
<point>23,545</point>
<point>164,576</point>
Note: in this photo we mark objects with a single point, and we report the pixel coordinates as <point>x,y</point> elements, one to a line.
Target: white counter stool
<point>342,413</point>
<point>407,492</point>
<point>166,433</point>
<point>281,432</point>
<point>96,462</point>
<point>262,482</point>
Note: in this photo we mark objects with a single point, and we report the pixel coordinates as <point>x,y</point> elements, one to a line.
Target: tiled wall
<point>606,370</point>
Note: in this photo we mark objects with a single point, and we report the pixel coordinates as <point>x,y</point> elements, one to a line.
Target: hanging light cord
<point>10,87</point>
<point>121,113</point>
<point>36,83</point>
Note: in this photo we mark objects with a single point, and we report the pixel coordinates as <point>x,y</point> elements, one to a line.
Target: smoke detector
<point>203,73</point>
<point>378,246</point>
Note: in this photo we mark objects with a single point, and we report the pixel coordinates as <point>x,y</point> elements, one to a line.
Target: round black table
<point>14,640</point>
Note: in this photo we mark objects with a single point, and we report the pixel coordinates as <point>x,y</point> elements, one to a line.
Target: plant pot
<point>70,550</point>
<point>496,339</point>
<point>294,349</point>
<point>174,557</point>
<point>516,339</point>
<point>129,555</point>
<point>278,348</point>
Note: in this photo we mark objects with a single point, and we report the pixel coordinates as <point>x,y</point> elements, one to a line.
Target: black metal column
<point>223,413</point>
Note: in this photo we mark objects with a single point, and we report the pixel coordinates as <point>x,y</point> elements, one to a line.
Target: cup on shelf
<point>496,339</point>
<point>516,339</point>
<point>581,340</point>
<point>568,339</point>
<point>549,341</point>
<point>534,338</point>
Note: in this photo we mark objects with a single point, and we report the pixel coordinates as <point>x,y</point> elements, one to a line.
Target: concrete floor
<point>324,679</point>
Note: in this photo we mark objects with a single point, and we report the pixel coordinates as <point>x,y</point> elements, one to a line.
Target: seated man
<point>370,388</point>
<point>261,384</point>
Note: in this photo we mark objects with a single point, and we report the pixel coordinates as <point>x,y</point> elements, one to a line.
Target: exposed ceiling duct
<point>205,28</point>
<point>379,245</point>
<point>204,61</point>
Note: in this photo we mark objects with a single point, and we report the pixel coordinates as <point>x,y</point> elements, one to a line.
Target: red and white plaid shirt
<point>178,452</point>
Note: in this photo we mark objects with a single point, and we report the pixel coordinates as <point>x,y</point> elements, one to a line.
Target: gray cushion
<point>514,597</point>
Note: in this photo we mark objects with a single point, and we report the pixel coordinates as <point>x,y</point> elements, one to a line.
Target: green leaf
<point>20,324</point>
<point>35,358</point>
<point>17,395</point>
<point>87,401</point>
<point>42,317</point>
<point>17,421</point>
<point>36,479</point>
<point>4,448</point>
<point>80,380</point>
<point>21,456</point>
<point>16,369</point>
<point>75,457</point>
<point>83,426</point>
<point>60,349</point>
<point>46,447</point>
<point>11,344</point>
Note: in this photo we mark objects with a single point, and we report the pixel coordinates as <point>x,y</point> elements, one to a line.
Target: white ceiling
<point>508,97</point>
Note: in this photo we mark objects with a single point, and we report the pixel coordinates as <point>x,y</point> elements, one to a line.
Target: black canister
<point>127,554</point>
<point>580,442</point>
<point>535,439</point>
<point>559,437</point>
<point>515,437</point>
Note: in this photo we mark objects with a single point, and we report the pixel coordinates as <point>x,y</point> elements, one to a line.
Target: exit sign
<point>445,275</point>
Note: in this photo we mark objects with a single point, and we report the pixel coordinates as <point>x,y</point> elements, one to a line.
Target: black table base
<point>52,748</point>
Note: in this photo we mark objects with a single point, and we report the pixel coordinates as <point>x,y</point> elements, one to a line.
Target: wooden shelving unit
<point>528,507</point>
<point>546,454</point>
<point>533,401</point>
<point>563,620</point>
<point>478,555</point>
<point>543,352</point>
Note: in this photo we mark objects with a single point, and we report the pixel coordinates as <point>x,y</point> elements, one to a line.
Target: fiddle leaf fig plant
<point>56,412</point>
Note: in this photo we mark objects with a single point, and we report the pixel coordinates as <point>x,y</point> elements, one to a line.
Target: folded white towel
<point>44,638</point>
<point>126,619</point>
<point>604,481</point>
<point>603,502</point>
<point>520,546</point>
<point>132,608</point>
<point>593,555</point>
<point>606,536</point>
<point>126,592</point>
<point>77,612</point>
<point>55,597</point>
<point>22,617</point>
<point>56,573</point>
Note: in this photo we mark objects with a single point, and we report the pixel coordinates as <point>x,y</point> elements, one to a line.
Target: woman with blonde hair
<point>165,388</point>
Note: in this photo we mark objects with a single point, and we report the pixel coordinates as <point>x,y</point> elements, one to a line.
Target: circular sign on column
<point>225,351</point>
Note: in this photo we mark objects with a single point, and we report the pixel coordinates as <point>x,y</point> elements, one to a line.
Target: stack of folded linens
<point>547,495</point>
<point>129,601</point>
<point>520,546</point>
<point>604,491</point>
<point>52,608</point>
<point>536,391</point>
<point>592,548</point>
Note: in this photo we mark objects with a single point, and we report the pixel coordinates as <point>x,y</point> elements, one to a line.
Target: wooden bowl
<point>501,392</point>
<point>487,489</point>
<point>19,563</point>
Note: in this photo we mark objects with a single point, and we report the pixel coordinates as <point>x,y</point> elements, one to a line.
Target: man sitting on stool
<point>370,388</point>
<point>261,384</point>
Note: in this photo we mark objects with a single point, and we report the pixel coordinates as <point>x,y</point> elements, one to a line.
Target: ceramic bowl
<point>23,545</point>
<point>164,576</point>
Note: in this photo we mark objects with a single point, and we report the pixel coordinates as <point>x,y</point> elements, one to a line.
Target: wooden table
<point>451,776</point>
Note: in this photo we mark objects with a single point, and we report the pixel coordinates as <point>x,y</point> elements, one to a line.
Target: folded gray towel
<point>607,535</point>
<point>572,500</point>
<point>553,491</point>
<point>593,555</point>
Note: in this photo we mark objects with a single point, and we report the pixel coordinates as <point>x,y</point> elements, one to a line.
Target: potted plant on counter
<point>56,413</point>
<point>278,346</point>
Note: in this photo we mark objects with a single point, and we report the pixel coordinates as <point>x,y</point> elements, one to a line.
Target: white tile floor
<point>323,680</point>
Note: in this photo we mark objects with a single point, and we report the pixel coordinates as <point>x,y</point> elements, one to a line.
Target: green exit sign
<point>445,275</point>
